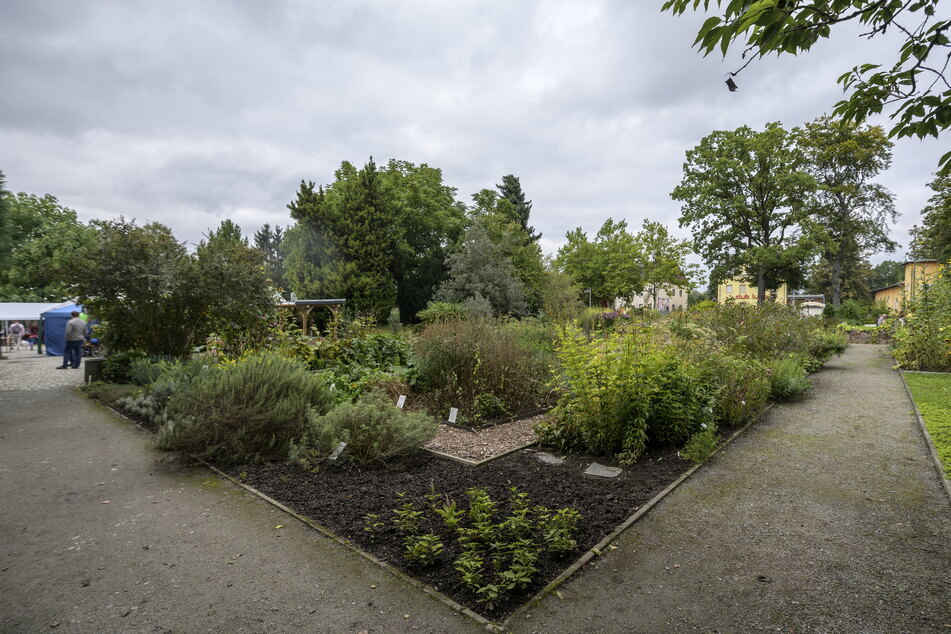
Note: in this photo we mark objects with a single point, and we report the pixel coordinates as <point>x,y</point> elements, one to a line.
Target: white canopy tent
<point>25,311</point>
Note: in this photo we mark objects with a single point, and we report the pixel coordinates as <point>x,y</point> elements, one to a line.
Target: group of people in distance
<point>17,334</point>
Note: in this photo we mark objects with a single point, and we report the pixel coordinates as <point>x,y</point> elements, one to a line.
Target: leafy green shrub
<point>373,428</point>
<point>923,341</point>
<point>703,305</point>
<point>787,379</point>
<point>606,389</point>
<point>441,312</point>
<point>458,362</point>
<point>245,411</point>
<point>488,406</point>
<point>680,406</point>
<point>822,344</point>
<point>143,407</point>
<point>117,366</point>
<point>762,331</point>
<point>742,386</point>
<point>700,446</point>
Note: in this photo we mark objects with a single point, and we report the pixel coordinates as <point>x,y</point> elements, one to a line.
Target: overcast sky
<point>188,113</point>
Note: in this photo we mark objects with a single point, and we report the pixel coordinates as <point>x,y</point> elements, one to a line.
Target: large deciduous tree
<point>429,225</point>
<point>663,261</point>
<point>915,83</point>
<point>744,198</point>
<point>156,297</point>
<point>44,237</point>
<point>610,265</point>
<point>139,280</point>
<point>852,213</point>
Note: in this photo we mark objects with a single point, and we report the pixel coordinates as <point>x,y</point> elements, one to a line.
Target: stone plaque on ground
<point>602,471</point>
<point>549,458</point>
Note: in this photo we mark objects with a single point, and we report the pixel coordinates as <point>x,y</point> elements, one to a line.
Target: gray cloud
<point>188,113</point>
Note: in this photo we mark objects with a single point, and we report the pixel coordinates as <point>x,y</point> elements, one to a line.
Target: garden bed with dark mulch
<point>340,499</point>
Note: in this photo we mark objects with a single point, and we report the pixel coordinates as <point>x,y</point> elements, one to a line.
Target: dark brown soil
<point>339,499</point>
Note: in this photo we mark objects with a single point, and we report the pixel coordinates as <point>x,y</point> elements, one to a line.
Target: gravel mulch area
<point>482,444</point>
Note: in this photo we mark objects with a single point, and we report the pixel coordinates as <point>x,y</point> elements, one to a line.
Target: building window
<point>681,291</point>
<point>742,288</point>
<point>729,289</point>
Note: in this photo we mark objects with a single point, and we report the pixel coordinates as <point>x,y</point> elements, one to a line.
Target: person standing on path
<point>32,334</point>
<point>16,333</point>
<point>75,334</point>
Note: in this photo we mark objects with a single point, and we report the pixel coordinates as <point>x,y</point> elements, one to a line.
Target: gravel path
<point>827,516</point>
<point>482,444</point>
<point>25,370</point>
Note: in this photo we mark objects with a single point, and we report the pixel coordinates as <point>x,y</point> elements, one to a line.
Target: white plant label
<point>338,450</point>
<point>452,414</point>
<point>401,401</point>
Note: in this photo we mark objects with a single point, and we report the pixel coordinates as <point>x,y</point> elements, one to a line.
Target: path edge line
<point>935,458</point>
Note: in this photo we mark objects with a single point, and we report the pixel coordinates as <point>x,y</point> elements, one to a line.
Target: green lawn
<point>932,393</point>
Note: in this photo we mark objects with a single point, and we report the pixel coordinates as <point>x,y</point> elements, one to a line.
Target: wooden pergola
<point>304,306</point>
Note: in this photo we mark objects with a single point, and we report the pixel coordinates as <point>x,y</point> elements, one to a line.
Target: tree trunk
<point>837,279</point>
<point>761,287</point>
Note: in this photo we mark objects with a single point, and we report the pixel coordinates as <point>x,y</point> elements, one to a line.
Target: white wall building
<point>675,300</point>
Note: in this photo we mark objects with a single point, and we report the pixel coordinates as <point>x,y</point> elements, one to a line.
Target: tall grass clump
<point>478,361</point>
<point>373,428</point>
<point>245,411</point>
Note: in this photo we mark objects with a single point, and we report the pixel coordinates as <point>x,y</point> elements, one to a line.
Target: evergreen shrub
<point>244,411</point>
<point>374,429</point>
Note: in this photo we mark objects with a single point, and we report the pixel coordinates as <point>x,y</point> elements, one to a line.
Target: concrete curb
<point>935,459</point>
<point>492,626</point>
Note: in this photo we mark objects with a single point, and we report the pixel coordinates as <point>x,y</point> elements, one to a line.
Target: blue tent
<point>54,328</point>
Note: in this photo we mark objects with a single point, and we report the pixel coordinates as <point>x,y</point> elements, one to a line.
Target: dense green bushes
<point>923,336</point>
<point>679,380</point>
<point>458,363</point>
<point>373,428</point>
<point>624,386</point>
<point>787,379</point>
<point>245,411</point>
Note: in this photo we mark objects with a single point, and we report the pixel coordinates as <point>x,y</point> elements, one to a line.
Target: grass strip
<point>932,394</point>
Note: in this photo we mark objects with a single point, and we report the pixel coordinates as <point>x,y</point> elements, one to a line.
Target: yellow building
<point>917,272</point>
<point>742,292</point>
